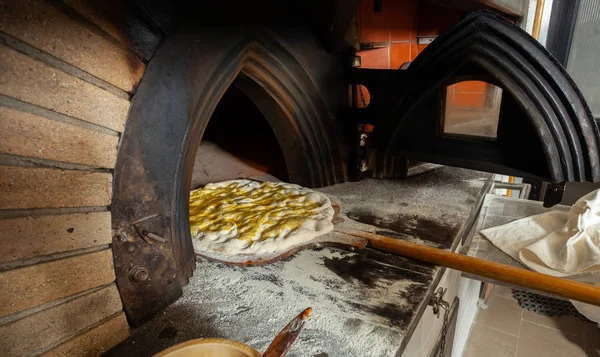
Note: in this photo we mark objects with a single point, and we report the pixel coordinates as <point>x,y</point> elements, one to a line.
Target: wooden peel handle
<point>526,278</point>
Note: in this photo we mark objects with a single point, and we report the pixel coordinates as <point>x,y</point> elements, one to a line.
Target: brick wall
<point>67,72</point>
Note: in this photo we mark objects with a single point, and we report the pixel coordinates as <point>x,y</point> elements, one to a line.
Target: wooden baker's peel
<point>350,238</point>
<point>525,278</point>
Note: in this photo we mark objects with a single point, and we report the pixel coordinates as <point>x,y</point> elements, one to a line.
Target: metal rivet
<point>139,274</point>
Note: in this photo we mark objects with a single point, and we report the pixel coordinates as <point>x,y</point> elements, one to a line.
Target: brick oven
<point>112,111</point>
<point>71,77</point>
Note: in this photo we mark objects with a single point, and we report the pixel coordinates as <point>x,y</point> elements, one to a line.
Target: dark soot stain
<point>167,332</point>
<point>425,229</point>
<point>369,266</point>
<point>396,317</point>
<point>273,278</point>
<point>401,317</point>
<point>375,270</point>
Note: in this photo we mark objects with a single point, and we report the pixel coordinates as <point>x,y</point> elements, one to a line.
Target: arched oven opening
<point>238,142</point>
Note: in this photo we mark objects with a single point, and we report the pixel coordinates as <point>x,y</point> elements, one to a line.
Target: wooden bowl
<point>210,347</point>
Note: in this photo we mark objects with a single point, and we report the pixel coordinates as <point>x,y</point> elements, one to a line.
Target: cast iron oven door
<point>545,130</point>
<point>182,85</point>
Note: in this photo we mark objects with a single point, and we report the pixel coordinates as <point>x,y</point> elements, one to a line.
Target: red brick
<point>373,26</point>
<point>471,87</point>
<point>376,58</point>
<point>399,53</point>
<point>403,15</point>
<point>472,100</point>
<point>434,19</point>
<point>414,50</point>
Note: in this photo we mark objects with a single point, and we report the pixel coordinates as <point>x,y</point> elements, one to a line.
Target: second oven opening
<point>238,143</point>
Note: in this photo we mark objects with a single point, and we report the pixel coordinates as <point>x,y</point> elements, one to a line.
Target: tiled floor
<point>506,330</point>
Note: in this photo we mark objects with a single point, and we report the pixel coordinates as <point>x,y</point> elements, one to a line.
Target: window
<point>472,108</point>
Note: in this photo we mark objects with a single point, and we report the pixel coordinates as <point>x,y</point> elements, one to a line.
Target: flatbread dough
<point>240,217</point>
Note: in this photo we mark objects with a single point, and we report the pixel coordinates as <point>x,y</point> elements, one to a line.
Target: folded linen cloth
<point>557,243</point>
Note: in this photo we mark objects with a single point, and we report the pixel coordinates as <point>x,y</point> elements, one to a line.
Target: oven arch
<point>542,114</point>
<point>182,85</point>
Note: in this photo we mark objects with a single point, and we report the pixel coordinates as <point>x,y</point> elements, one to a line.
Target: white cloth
<point>558,243</point>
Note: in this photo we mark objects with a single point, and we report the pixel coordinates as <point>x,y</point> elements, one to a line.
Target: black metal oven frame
<point>545,130</point>
<point>299,82</point>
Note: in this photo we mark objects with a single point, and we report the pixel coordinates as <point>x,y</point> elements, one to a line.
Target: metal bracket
<point>354,61</point>
<point>364,46</point>
<point>425,40</point>
<point>554,194</point>
<point>151,229</point>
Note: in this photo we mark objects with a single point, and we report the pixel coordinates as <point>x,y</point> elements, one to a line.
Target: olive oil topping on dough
<point>264,212</point>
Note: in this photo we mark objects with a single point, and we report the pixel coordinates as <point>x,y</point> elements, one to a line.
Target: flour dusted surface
<point>251,217</point>
<point>365,303</point>
<point>360,316</point>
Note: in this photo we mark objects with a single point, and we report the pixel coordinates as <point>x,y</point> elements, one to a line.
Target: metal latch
<point>437,302</point>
